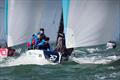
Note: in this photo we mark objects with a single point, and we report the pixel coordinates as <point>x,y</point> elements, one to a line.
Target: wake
<point>94,56</point>
<point>94,60</point>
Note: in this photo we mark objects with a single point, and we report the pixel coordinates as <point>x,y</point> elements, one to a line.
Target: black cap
<point>41,29</point>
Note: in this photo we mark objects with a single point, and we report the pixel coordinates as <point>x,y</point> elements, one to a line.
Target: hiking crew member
<point>44,44</point>
<point>32,42</point>
<point>37,40</point>
<point>41,33</point>
<point>41,42</point>
<point>47,45</point>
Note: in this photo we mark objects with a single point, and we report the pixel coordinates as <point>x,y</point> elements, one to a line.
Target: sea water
<point>92,63</point>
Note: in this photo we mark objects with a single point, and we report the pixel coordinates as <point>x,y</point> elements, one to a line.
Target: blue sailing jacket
<point>41,43</point>
<point>33,37</point>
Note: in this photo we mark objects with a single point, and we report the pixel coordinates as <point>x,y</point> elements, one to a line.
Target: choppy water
<point>95,63</point>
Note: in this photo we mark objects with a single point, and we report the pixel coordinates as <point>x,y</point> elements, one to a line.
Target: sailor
<point>37,41</point>
<point>41,33</point>
<point>111,45</point>
<point>41,42</point>
<point>32,42</point>
<point>47,45</point>
<point>28,45</point>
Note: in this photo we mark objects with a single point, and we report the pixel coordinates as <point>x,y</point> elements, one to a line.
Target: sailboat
<point>24,18</point>
<point>91,23</point>
<point>86,22</point>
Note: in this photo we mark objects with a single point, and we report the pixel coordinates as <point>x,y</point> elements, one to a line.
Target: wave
<point>26,59</point>
<point>95,60</point>
<point>80,56</point>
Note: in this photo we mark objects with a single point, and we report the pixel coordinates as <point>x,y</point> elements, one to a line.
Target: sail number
<point>53,57</point>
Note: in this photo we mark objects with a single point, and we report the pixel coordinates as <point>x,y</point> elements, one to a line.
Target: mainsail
<point>91,22</point>
<point>26,17</point>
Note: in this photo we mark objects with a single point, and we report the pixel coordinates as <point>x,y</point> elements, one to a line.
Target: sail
<point>2,20</point>
<point>26,17</point>
<point>91,22</point>
<point>3,39</point>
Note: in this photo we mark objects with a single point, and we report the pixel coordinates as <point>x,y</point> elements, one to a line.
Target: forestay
<point>25,17</point>
<point>91,22</point>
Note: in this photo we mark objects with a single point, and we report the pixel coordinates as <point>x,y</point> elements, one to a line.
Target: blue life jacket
<point>41,43</point>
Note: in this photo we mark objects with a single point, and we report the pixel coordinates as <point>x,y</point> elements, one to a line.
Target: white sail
<point>3,37</point>
<point>92,22</point>
<point>26,17</point>
<point>2,20</point>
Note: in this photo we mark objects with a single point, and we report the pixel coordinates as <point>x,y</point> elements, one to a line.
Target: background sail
<point>25,17</point>
<point>3,37</point>
<point>2,19</point>
<point>92,22</point>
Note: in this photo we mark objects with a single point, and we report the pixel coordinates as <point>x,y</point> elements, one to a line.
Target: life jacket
<point>28,44</point>
<point>42,42</point>
<point>33,41</point>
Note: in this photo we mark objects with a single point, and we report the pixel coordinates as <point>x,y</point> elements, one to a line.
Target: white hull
<point>35,57</point>
<point>40,56</point>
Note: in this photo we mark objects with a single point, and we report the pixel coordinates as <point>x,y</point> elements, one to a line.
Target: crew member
<point>31,44</point>
<point>41,33</point>
<point>41,42</point>
<point>47,45</point>
<point>111,45</point>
